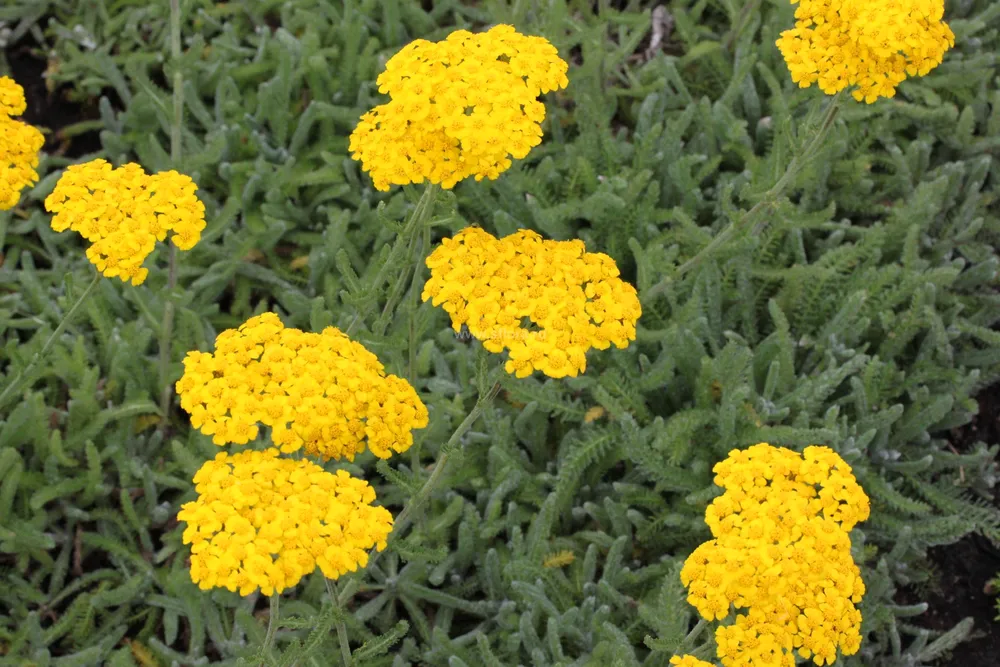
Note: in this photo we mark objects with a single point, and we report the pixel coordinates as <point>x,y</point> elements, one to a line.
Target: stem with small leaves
<point>25,372</point>
<point>272,628</point>
<point>418,220</point>
<point>402,521</point>
<point>768,200</point>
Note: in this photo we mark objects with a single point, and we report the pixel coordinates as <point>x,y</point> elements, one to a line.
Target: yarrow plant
<point>261,521</point>
<point>871,44</point>
<point>123,213</point>
<point>460,107</point>
<point>782,552</point>
<point>547,302</point>
<point>19,145</point>
<point>323,393</point>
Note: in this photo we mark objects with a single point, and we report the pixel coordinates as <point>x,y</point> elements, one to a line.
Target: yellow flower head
<point>19,145</point>
<point>319,391</point>
<point>782,552</point>
<point>262,521</point>
<point>689,661</point>
<point>458,108</point>
<point>871,44</point>
<point>547,302</point>
<point>123,213</point>
<point>12,102</point>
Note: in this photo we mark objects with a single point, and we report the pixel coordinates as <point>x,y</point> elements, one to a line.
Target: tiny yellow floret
<point>262,521</point>
<point>782,553</point>
<point>321,392</point>
<point>871,44</point>
<point>546,302</point>
<point>458,108</point>
<point>19,145</point>
<point>123,213</point>
<point>559,559</point>
<point>689,661</point>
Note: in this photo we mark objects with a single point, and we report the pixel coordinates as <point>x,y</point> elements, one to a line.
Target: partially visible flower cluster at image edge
<point>689,661</point>
<point>123,213</point>
<point>19,145</point>
<point>573,300</point>
<point>460,107</point>
<point>265,521</point>
<point>781,552</point>
<point>321,392</point>
<point>871,44</point>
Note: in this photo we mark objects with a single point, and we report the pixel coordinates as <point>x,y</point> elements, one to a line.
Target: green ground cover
<point>853,309</point>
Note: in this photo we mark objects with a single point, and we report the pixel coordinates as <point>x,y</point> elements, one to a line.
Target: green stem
<point>693,635</point>
<point>167,329</point>
<point>345,647</point>
<point>741,22</point>
<point>25,372</point>
<point>272,628</point>
<point>418,219</point>
<point>418,276</point>
<point>402,521</point>
<point>769,198</point>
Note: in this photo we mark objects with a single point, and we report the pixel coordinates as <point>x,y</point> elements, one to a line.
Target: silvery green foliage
<point>855,313</point>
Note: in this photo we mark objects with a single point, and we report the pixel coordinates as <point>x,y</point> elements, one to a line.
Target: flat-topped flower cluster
<point>782,553</point>
<point>871,44</point>
<point>264,521</point>
<point>123,213</point>
<point>321,392</point>
<point>559,298</point>
<point>458,108</point>
<point>19,145</point>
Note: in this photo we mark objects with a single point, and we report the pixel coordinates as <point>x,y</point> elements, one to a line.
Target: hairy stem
<point>402,521</point>
<point>272,628</point>
<point>768,200</point>
<point>25,372</point>
<point>418,220</point>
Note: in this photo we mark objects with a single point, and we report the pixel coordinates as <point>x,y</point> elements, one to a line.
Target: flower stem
<point>768,200</point>
<point>272,628</point>
<point>403,520</point>
<point>749,6</point>
<point>345,647</point>
<point>418,219</point>
<point>693,635</point>
<point>167,328</point>
<point>25,372</point>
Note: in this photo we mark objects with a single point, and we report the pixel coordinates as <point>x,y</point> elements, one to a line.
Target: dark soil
<point>50,112</point>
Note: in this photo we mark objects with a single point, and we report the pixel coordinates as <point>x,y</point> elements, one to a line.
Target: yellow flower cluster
<point>321,392</point>
<point>572,299</point>
<point>689,661</point>
<point>872,44</point>
<point>19,145</point>
<point>459,108</point>
<point>781,551</point>
<point>265,521</point>
<point>123,213</point>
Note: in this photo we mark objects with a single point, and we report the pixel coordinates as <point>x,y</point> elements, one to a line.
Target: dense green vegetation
<point>855,311</point>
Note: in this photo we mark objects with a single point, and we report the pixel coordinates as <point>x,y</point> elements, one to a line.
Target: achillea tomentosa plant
<point>263,520</point>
